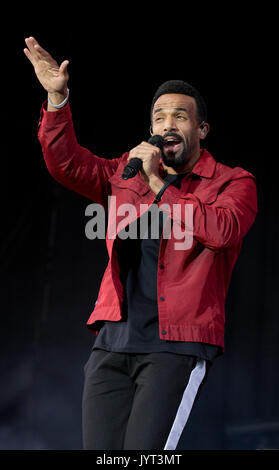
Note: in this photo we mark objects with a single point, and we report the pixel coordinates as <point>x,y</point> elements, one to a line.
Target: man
<point>159,317</point>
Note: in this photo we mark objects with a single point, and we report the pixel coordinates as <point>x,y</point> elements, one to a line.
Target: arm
<point>217,225</point>
<point>69,163</point>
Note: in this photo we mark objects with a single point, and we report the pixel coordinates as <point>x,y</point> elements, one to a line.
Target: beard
<point>176,160</point>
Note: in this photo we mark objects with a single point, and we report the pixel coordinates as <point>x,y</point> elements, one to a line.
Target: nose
<point>170,124</point>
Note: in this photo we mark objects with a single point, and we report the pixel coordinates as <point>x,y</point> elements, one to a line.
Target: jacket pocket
<point>206,196</point>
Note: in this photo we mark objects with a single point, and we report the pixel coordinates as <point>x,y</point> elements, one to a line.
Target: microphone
<point>135,165</point>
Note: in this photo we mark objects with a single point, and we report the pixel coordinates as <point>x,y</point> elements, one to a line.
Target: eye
<point>158,119</point>
<point>181,117</point>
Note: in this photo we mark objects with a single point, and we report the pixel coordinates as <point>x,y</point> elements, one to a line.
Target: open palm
<point>53,77</point>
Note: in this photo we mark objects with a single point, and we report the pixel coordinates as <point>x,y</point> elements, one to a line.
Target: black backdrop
<point>50,271</point>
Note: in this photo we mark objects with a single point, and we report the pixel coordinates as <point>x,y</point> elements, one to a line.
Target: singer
<point>158,321</point>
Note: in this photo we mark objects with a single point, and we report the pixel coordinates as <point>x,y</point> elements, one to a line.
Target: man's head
<point>179,114</point>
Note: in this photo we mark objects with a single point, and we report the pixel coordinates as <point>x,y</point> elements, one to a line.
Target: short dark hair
<point>182,88</point>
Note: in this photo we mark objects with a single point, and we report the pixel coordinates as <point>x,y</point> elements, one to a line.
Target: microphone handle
<point>131,170</point>
<point>135,165</point>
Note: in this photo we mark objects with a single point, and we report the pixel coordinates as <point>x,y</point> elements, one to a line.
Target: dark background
<point>50,272</point>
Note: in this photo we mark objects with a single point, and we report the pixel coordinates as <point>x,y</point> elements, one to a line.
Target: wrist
<point>57,100</point>
<point>156,183</point>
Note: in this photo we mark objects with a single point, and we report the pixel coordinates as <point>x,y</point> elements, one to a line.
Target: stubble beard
<point>176,162</point>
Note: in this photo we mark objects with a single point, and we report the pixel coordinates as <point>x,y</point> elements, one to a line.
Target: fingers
<point>28,55</point>
<point>144,151</point>
<point>63,68</point>
<point>31,43</point>
<point>35,52</point>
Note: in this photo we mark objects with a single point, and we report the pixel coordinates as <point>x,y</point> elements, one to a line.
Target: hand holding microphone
<point>145,156</point>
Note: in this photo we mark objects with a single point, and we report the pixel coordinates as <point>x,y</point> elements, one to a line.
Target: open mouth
<point>172,143</point>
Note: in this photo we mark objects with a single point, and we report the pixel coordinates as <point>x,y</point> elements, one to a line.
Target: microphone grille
<point>157,140</point>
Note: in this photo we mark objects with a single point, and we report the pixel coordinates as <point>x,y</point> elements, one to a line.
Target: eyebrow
<point>158,110</point>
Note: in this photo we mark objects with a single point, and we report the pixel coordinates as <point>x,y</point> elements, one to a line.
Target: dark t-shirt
<point>138,331</point>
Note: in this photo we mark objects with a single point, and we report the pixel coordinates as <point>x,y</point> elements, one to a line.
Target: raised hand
<point>53,78</point>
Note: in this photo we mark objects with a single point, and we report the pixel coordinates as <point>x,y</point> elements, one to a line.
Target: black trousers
<point>138,401</point>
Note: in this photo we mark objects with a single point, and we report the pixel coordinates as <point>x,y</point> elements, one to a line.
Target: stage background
<point>50,271</point>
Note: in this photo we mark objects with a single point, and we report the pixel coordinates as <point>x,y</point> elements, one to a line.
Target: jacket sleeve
<point>69,163</point>
<point>222,223</point>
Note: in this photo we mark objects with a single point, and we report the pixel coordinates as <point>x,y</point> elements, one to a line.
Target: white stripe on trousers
<point>184,409</point>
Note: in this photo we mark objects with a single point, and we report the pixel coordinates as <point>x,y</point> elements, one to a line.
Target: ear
<point>204,129</point>
<point>151,130</point>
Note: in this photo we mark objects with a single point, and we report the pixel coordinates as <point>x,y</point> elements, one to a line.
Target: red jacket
<point>192,283</point>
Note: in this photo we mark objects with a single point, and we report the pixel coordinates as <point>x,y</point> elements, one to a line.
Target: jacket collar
<point>205,166</point>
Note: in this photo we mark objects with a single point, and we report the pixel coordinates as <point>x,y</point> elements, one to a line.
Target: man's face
<point>174,117</point>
